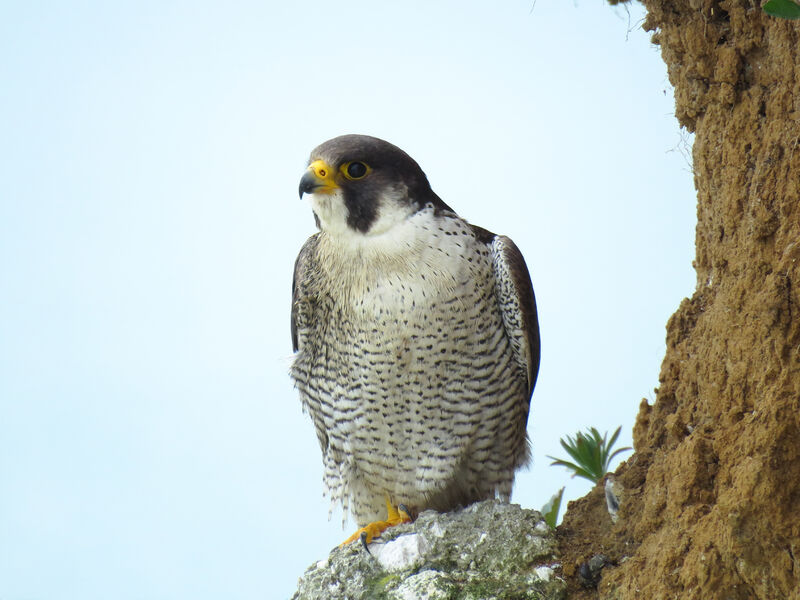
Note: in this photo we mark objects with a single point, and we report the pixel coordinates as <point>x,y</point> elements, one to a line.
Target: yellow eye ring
<point>355,170</point>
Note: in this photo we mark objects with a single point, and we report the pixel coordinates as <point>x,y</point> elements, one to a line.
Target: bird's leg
<point>395,516</point>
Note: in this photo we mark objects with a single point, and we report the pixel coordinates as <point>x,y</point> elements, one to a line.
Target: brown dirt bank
<point>712,501</point>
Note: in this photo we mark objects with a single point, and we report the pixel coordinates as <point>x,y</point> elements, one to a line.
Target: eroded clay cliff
<point>712,500</point>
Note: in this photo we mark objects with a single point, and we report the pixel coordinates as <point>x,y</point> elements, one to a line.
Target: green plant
<point>784,9</point>
<point>550,509</point>
<point>591,453</point>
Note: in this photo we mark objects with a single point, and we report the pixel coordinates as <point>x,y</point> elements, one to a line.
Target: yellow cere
<point>325,174</point>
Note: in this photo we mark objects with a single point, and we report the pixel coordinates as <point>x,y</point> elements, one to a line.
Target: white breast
<point>409,265</point>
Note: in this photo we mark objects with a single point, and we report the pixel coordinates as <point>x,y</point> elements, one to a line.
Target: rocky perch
<point>488,551</point>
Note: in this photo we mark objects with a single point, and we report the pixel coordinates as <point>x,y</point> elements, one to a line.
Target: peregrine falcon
<point>416,339</point>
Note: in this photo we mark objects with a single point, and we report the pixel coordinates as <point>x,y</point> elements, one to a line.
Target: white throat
<point>393,210</point>
<point>331,213</point>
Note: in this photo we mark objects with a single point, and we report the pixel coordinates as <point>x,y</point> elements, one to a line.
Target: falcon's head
<point>362,185</point>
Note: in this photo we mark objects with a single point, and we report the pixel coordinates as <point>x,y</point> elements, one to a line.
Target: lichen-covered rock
<point>488,551</point>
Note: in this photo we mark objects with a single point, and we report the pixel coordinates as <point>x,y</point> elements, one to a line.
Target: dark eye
<point>356,170</point>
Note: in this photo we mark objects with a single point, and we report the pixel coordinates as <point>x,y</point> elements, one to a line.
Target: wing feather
<point>518,305</point>
<point>301,316</point>
<point>300,267</point>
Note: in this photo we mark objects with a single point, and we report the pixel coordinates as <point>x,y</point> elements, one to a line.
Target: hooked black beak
<point>309,182</point>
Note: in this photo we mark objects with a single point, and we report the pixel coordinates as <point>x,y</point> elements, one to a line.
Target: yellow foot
<point>396,516</point>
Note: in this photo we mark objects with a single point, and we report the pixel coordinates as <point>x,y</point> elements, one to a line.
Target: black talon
<point>404,508</point>
<point>363,538</point>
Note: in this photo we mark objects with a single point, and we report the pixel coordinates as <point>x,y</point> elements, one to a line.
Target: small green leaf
<point>784,9</point>
<point>550,509</point>
<point>614,437</point>
<point>576,470</point>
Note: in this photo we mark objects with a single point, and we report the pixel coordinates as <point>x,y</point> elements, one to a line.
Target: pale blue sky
<point>151,444</point>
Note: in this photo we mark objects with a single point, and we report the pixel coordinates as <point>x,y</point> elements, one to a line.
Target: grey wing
<point>300,268</point>
<point>518,305</point>
<point>302,315</point>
